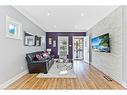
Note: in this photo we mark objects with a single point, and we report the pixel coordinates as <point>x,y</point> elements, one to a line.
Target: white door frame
<point>87,49</point>
<point>73,43</point>
<point>65,37</point>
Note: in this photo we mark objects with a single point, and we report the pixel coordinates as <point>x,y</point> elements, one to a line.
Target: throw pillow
<point>45,55</point>
<point>39,56</point>
<point>35,58</point>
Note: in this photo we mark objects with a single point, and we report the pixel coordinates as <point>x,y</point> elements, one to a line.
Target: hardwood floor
<point>88,77</point>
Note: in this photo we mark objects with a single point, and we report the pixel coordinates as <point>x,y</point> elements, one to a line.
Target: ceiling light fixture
<point>82,14</point>
<point>54,26</point>
<point>48,14</point>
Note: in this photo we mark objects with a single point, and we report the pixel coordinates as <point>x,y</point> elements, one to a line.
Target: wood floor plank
<point>88,77</point>
<point>78,84</point>
<point>18,82</point>
<point>26,82</point>
<point>54,83</point>
<point>41,83</point>
<point>58,86</point>
<point>72,83</point>
<point>45,83</point>
<point>37,84</point>
<point>51,82</point>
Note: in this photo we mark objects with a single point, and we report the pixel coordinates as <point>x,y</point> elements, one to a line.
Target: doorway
<point>78,48</point>
<point>63,45</point>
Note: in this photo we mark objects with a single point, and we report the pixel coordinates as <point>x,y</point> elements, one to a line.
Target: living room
<point>28,37</point>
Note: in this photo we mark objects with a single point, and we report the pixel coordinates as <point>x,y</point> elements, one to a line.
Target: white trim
<point>29,33</point>
<point>23,12</point>
<point>112,76</point>
<point>10,81</point>
<point>73,43</point>
<point>61,38</point>
<point>86,62</point>
<point>87,49</point>
<point>66,31</point>
<point>124,84</point>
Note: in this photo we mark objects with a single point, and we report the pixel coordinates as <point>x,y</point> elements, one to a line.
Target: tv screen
<point>101,43</point>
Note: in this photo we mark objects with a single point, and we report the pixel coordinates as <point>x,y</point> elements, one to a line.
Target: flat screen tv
<point>101,43</point>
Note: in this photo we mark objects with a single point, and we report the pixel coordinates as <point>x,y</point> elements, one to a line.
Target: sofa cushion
<point>46,55</point>
<point>37,57</point>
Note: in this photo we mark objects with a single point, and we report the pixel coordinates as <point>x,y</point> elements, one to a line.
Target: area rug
<point>54,72</point>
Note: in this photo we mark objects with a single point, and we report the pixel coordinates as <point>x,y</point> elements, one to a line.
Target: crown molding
<point>103,17</point>
<point>23,12</point>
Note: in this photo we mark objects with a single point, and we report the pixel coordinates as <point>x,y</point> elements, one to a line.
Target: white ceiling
<point>65,18</point>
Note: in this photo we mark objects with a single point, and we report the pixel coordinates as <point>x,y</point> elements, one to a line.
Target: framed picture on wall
<point>37,40</point>
<point>29,40</point>
<point>37,43</point>
<point>54,43</point>
<point>13,28</point>
<point>50,41</point>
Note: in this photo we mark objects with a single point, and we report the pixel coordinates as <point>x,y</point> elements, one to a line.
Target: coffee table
<point>65,64</point>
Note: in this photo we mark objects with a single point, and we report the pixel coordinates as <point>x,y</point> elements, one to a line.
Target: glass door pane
<point>78,48</point>
<point>62,45</point>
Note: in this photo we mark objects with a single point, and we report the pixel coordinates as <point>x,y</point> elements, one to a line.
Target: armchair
<point>38,66</point>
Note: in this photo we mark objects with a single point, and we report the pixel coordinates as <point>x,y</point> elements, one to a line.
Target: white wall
<point>124,69</point>
<point>12,52</point>
<point>109,63</point>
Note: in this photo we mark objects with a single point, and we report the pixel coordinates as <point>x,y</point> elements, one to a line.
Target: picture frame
<point>29,40</point>
<point>54,43</point>
<point>13,28</point>
<point>50,41</point>
<point>37,40</point>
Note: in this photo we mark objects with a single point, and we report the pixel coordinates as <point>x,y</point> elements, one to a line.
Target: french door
<point>78,48</point>
<point>63,45</point>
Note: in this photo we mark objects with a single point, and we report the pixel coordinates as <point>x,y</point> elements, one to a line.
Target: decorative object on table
<point>49,50</point>
<point>50,41</point>
<point>65,64</point>
<point>13,28</point>
<point>54,43</point>
<point>29,39</point>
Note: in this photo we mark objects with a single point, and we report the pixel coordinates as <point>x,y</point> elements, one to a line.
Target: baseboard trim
<point>86,62</point>
<point>10,81</point>
<point>124,84</point>
<point>112,77</point>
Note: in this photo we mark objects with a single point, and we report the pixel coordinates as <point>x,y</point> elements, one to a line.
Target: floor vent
<point>107,78</point>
